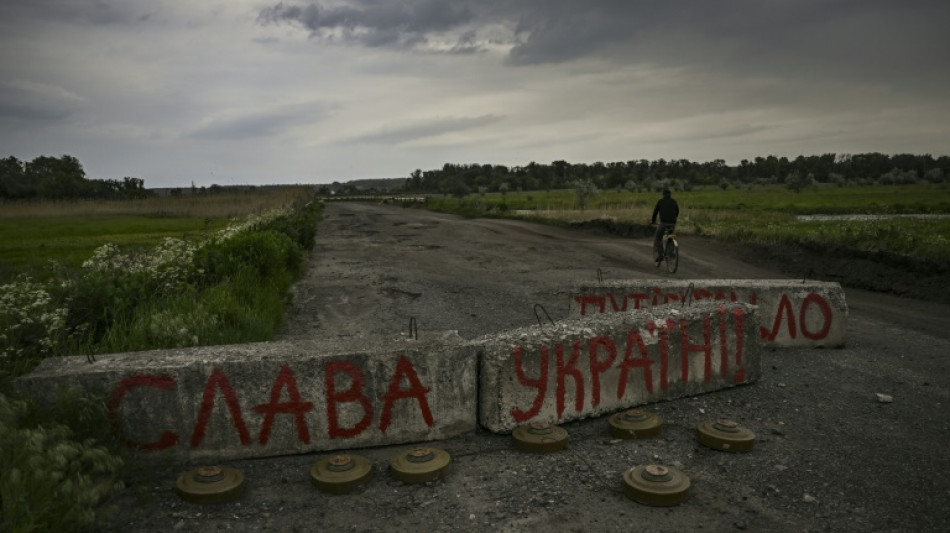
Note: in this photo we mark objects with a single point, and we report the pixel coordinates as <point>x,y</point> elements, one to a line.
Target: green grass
<point>763,215</point>
<point>61,464</point>
<point>826,199</point>
<point>821,200</point>
<point>918,238</point>
<point>28,245</point>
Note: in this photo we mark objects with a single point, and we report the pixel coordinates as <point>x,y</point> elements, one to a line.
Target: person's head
<point>666,193</point>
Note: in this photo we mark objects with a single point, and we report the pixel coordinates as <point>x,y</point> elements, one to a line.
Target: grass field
<point>765,215</point>
<point>821,200</point>
<point>30,245</point>
<point>35,234</point>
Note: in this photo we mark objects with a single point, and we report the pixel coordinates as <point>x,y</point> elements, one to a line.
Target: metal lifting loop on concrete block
<point>536,307</point>
<point>635,424</point>
<point>413,328</point>
<point>540,437</point>
<point>420,465</point>
<point>688,297</point>
<point>340,473</point>
<point>726,435</point>
<point>600,276</point>
<point>656,485</point>
<point>210,484</point>
<point>90,358</point>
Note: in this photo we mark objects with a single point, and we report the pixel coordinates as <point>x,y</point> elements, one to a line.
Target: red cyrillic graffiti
<point>599,301</point>
<point>416,390</point>
<point>739,319</point>
<point>827,316</point>
<point>634,338</point>
<point>570,369</point>
<point>216,380</point>
<point>786,314</point>
<point>705,349</point>
<point>292,405</point>
<point>597,367</point>
<point>602,353</point>
<point>353,394</point>
<point>168,438</point>
<point>541,384</point>
<point>642,300</point>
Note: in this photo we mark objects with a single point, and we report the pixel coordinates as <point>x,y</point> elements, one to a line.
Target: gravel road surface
<point>829,454</point>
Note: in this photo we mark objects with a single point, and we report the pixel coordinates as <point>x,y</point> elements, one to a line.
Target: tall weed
<point>52,479</point>
<point>59,466</point>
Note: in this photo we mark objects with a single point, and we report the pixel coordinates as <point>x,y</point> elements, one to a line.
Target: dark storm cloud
<point>373,22</point>
<point>427,129</point>
<point>36,102</point>
<point>865,38</point>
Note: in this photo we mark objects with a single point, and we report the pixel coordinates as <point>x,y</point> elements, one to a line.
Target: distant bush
<point>265,253</point>
<point>300,225</point>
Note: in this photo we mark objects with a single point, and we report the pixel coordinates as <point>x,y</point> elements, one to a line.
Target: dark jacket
<point>668,210</point>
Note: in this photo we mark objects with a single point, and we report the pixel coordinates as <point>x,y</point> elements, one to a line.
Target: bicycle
<point>671,250</point>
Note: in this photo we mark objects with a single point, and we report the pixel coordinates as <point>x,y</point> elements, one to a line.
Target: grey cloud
<point>373,22</point>
<point>466,44</point>
<point>95,12</point>
<point>871,39</point>
<point>259,123</point>
<point>422,130</point>
<point>29,100</point>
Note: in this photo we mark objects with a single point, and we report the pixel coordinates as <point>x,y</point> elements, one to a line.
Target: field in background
<point>761,215</point>
<point>35,234</point>
<point>212,205</point>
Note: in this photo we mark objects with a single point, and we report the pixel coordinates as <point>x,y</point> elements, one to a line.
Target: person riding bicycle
<point>669,211</point>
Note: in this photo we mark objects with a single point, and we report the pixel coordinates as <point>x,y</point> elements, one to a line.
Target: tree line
<point>61,178</point>
<point>643,175</point>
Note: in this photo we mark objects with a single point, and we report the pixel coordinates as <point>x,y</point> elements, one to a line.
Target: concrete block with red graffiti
<point>583,367</point>
<point>276,398</point>
<point>791,313</point>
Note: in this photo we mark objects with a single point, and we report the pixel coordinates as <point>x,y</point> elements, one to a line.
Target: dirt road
<point>829,455</point>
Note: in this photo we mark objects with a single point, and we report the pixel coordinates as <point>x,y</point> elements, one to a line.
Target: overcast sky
<point>254,92</point>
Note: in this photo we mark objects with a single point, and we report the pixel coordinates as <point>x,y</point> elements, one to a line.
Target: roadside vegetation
<point>101,277</point>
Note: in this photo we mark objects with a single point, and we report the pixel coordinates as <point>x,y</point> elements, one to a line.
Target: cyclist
<point>669,211</point>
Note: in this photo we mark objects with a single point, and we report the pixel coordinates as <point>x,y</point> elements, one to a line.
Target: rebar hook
<point>688,296</point>
<point>536,306</point>
<point>413,328</point>
<point>600,276</point>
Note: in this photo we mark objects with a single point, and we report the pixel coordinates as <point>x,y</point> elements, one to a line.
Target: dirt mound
<point>878,271</point>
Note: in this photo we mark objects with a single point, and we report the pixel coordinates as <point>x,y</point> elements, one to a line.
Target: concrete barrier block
<point>792,313</point>
<point>593,365</point>
<point>265,399</point>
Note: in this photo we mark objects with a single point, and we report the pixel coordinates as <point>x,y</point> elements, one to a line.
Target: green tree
<point>13,182</point>
<point>585,190</point>
<point>797,181</point>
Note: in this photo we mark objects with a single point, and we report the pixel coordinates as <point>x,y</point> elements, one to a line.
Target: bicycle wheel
<point>672,255</point>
